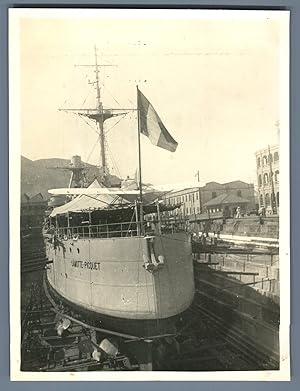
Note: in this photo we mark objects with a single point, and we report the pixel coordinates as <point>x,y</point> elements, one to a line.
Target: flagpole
<point>140,164</point>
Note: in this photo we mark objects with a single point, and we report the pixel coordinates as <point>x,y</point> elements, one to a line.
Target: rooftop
<point>224,199</point>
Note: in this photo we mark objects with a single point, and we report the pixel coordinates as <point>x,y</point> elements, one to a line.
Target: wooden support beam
<point>238,273</point>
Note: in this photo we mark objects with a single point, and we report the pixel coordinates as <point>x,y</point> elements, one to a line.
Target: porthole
<point>78,250</point>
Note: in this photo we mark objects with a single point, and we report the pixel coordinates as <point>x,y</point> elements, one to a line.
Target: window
<point>258,162</point>
<point>277,198</point>
<point>213,194</point>
<point>276,156</point>
<point>261,200</point>
<point>197,196</point>
<point>277,176</point>
<point>239,193</point>
<point>259,180</point>
<point>267,198</point>
<point>266,179</point>
<point>265,160</point>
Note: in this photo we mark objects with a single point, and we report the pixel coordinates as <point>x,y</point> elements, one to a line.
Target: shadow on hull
<point>133,327</point>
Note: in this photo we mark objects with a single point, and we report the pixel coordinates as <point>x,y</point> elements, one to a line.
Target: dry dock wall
<point>250,309</point>
<point>267,280</point>
<point>263,227</point>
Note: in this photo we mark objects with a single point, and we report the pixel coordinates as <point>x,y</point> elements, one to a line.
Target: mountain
<point>37,176</point>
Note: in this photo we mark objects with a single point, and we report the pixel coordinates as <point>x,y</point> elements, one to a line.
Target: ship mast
<point>100,121</point>
<point>99,114</point>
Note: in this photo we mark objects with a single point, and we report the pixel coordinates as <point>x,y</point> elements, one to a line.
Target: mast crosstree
<point>99,114</point>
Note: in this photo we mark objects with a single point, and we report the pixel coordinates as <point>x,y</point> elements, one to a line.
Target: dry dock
<point>232,324</point>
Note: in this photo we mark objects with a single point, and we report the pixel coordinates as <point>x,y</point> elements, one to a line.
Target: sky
<point>214,82</point>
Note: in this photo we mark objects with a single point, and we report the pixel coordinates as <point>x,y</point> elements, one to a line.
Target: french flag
<point>151,125</point>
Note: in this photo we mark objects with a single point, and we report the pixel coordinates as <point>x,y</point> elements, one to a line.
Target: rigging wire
<point>61,107</point>
<point>97,199</point>
<point>115,199</point>
<point>122,117</point>
<point>90,154</point>
<point>81,116</point>
<point>113,160</point>
<point>111,94</point>
<point>87,96</point>
<point>131,102</point>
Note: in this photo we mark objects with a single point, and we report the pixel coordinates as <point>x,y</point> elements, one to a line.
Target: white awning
<point>86,203</point>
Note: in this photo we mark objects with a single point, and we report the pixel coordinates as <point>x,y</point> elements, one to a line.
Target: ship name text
<point>86,265</point>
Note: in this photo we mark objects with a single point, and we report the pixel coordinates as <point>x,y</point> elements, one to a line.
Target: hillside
<point>37,175</point>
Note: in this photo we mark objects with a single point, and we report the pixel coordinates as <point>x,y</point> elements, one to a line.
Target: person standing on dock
<point>262,211</point>
<point>238,212</point>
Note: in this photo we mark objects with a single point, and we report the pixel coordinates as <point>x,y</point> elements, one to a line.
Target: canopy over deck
<point>110,202</point>
<point>88,203</point>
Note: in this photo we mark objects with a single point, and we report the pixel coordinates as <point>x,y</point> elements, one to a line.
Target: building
<point>214,197</point>
<point>267,170</point>
<point>190,200</point>
<point>32,210</point>
<point>237,192</point>
<point>227,204</point>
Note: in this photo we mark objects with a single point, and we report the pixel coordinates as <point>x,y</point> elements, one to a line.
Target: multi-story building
<point>190,200</point>
<point>267,170</point>
<point>32,210</point>
<point>197,200</point>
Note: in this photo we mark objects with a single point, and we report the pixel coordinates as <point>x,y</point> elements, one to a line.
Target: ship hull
<point>131,327</point>
<point>109,276</point>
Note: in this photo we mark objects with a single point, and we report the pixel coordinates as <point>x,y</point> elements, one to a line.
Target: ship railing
<point>167,225</point>
<point>122,229</point>
<point>110,230</point>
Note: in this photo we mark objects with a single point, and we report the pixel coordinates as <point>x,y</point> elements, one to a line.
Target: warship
<point>114,252</point>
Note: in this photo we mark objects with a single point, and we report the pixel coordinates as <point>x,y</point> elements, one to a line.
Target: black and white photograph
<point>149,194</point>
